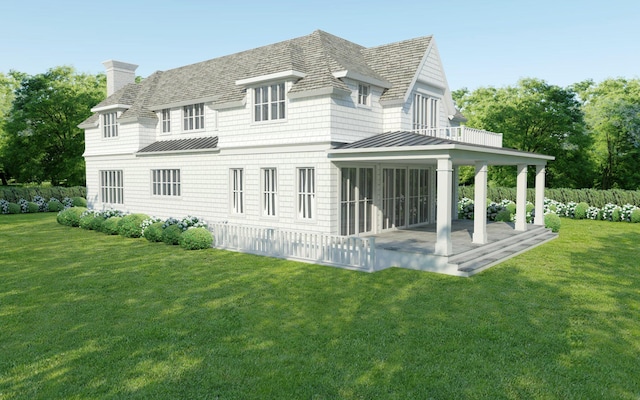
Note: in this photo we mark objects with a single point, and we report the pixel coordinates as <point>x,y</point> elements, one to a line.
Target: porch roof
<point>403,146</point>
<point>181,145</point>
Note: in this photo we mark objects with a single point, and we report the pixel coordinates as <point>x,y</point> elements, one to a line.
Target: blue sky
<point>482,43</point>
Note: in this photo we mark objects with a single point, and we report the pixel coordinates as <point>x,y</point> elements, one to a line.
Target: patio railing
<point>465,135</point>
<point>341,251</point>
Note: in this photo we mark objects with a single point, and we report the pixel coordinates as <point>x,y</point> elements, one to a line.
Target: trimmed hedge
<point>552,221</point>
<point>594,197</point>
<point>153,232</point>
<point>171,234</point>
<point>110,225</point>
<point>14,208</point>
<point>130,225</point>
<point>55,206</point>
<point>15,193</point>
<point>196,239</point>
<point>70,216</point>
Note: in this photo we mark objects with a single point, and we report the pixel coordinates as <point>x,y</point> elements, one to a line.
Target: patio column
<point>521,198</point>
<point>443,215</point>
<point>540,182</point>
<point>454,194</point>
<point>480,204</point>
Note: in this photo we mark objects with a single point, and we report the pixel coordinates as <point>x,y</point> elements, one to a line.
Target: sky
<point>482,43</point>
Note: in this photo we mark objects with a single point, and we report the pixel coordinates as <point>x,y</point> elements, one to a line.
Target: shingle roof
<point>396,139</point>
<point>318,55</point>
<point>210,142</point>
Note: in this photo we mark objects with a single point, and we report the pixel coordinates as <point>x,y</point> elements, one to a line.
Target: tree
<point>537,117</point>
<point>42,140</point>
<point>612,113</point>
<point>8,85</point>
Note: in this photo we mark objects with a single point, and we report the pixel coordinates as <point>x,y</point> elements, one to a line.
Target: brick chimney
<point>119,74</point>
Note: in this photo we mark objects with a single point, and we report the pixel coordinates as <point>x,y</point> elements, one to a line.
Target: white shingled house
<point>313,148</point>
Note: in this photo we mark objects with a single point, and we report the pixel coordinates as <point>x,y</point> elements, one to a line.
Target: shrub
<point>4,206</point>
<point>91,220</point>
<point>70,216</point>
<point>171,234</point>
<point>511,207</point>
<point>616,215</point>
<point>504,216</point>
<point>67,202</point>
<point>635,216</point>
<point>110,225</point>
<point>130,225</point>
<point>32,207</point>
<point>24,205</point>
<point>43,205</point>
<point>13,208</point>
<point>79,201</point>
<point>85,219</point>
<point>625,212</point>
<point>55,205</point>
<point>196,239</point>
<point>465,208</point>
<point>153,232</point>
<point>492,211</point>
<point>581,210</point>
<point>552,221</point>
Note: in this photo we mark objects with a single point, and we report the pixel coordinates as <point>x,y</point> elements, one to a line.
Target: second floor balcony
<point>465,135</point>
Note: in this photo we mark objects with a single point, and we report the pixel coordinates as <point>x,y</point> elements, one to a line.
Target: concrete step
<point>476,261</point>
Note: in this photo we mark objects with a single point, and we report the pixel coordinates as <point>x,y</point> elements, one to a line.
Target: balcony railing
<point>465,135</point>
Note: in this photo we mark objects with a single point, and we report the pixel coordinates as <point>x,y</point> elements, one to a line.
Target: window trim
<point>264,102</point>
<point>306,193</point>
<point>166,120</point>
<point>364,95</point>
<point>269,192</point>
<point>166,182</point>
<point>193,117</point>
<point>236,191</point>
<point>109,125</point>
<point>112,186</point>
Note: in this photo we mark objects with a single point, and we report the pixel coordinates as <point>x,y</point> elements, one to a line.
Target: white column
<point>454,193</point>
<point>480,204</point>
<point>521,198</point>
<point>540,181</point>
<point>443,218</point>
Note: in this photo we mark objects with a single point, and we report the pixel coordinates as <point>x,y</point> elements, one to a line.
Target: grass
<point>84,315</point>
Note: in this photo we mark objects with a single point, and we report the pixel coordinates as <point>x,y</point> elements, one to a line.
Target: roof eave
<point>110,107</point>
<point>325,91</point>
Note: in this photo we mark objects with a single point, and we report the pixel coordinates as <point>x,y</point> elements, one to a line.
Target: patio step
<point>473,261</point>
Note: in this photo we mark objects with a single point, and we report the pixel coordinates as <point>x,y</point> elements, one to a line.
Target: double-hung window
<point>269,191</point>
<point>363,94</point>
<point>111,187</point>
<point>425,112</point>
<point>269,102</point>
<point>193,117</point>
<point>237,190</point>
<point>166,120</point>
<point>165,182</point>
<point>109,125</point>
<point>306,193</point>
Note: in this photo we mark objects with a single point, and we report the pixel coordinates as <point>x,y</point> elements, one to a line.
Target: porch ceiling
<point>412,148</point>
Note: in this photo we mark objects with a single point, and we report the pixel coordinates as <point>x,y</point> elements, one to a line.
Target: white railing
<point>341,251</point>
<point>465,135</point>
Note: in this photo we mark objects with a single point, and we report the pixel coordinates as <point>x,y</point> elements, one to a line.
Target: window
<point>109,125</point>
<point>425,112</point>
<point>363,94</point>
<point>306,193</point>
<point>111,187</point>
<point>269,102</point>
<point>166,120</point>
<point>237,191</point>
<point>269,191</point>
<point>356,200</point>
<point>193,117</point>
<point>165,182</point>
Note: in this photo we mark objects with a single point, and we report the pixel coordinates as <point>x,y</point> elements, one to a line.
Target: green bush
<point>581,210</point>
<point>55,205</point>
<point>85,221</point>
<point>511,207</point>
<point>79,201</point>
<point>92,222</point>
<point>32,207</point>
<point>153,232</point>
<point>171,234</point>
<point>530,207</point>
<point>196,239</point>
<point>552,221</point>
<point>635,215</point>
<point>616,215</point>
<point>110,225</point>
<point>70,216</point>
<point>504,216</point>
<point>14,208</point>
<point>129,225</point>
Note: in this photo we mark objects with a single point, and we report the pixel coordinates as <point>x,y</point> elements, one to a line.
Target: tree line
<point>593,129</point>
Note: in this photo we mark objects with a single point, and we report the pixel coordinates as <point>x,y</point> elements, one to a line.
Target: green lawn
<point>85,315</point>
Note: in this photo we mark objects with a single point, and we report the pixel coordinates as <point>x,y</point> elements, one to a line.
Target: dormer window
<point>363,94</point>
<point>109,125</point>
<point>269,102</point>
<point>166,120</point>
<point>193,117</point>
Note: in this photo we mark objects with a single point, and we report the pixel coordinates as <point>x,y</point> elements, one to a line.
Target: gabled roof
<point>320,56</point>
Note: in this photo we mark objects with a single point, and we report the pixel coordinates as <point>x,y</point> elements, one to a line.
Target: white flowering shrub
<point>626,211</point>
<point>4,206</point>
<point>593,212</point>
